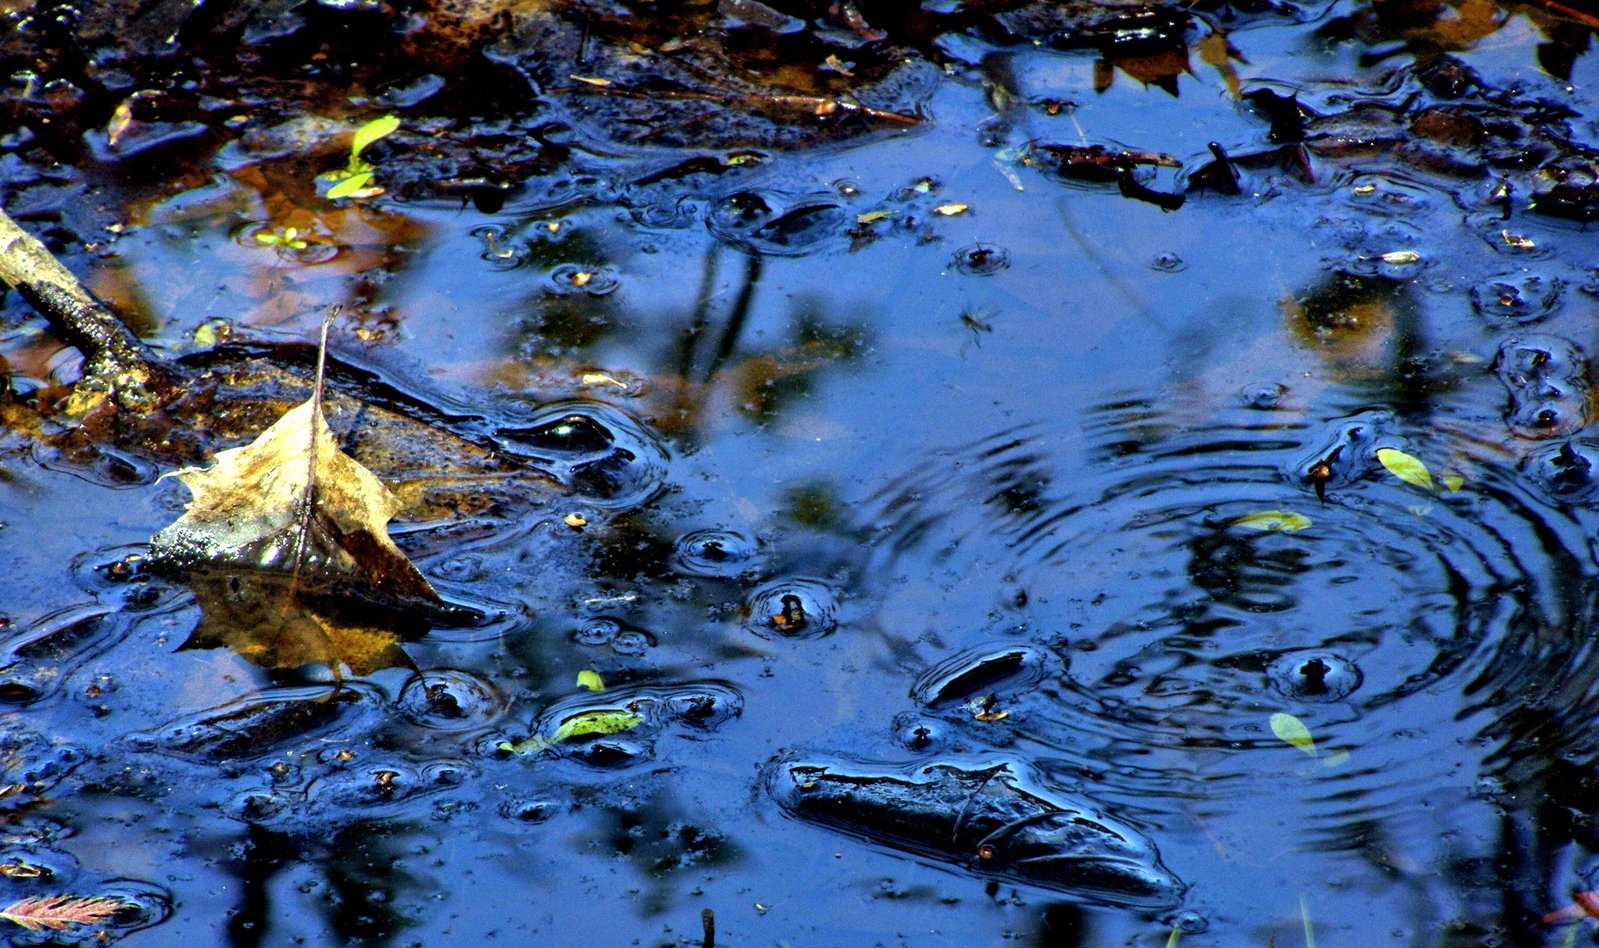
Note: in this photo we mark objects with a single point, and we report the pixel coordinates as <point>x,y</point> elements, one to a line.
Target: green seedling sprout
<point>355,179</point>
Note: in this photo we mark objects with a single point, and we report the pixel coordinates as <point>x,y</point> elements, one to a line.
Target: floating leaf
<point>872,217</point>
<point>371,132</point>
<point>950,210</point>
<point>575,520</point>
<point>1406,468</point>
<point>293,492</point>
<point>286,544</point>
<point>1293,731</point>
<point>582,724</point>
<point>1399,257</point>
<point>350,185</point>
<point>590,679</point>
<point>1453,481</point>
<point>121,118</point>
<point>600,378</point>
<point>1283,520</point>
<point>60,912</point>
<point>213,330</point>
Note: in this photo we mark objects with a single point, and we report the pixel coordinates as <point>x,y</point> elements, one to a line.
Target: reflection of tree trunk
<point>736,318</point>
<point>265,854</point>
<point>694,371</point>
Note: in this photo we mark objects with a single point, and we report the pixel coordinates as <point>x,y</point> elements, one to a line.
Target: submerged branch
<point>117,363</point>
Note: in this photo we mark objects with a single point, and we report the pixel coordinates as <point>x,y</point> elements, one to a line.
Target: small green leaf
<point>596,722</point>
<point>581,724</point>
<point>872,217</point>
<point>214,330</point>
<point>590,679</point>
<point>1293,731</point>
<point>371,132</point>
<point>267,238</point>
<point>1453,481</point>
<point>350,185</point>
<point>1273,520</point>
<point>1406,468</point>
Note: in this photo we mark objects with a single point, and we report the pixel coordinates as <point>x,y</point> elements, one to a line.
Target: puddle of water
<point>884,456</point>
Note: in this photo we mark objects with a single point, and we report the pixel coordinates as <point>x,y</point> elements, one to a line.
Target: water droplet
<point>450,700</point>
<point>981,260</point>
<point>597,632</point>
<point>810,609</point>
<point>1314,675</point>
<point>1516,299</point>
<point>717,553</point>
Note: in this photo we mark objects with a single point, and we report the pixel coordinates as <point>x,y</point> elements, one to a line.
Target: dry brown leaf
<point>60,912</point>
<point>291,502</point>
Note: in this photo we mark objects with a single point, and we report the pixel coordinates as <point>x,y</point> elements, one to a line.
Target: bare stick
<point>116,358</point>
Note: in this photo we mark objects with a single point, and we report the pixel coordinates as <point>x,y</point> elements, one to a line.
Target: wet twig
<point>822,106</point>
<point>1569,12</point>
<point>117,363</point>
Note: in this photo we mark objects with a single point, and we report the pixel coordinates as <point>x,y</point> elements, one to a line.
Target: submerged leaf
<point>1405,467</point>
<point>1273,520</point>
<point>1293,731</point>
<point>60,912</point>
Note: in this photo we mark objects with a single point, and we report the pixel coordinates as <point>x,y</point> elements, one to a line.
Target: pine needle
<point>60,912</point>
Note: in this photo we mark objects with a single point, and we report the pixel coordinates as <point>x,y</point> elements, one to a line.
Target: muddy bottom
<point>1036,473</point>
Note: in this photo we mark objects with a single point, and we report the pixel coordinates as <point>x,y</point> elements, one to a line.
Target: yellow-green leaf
<point>1406,468</point>
<point>371,132</point>
<point>872,217</point>
<point>1273,520</point>
<point>1453,481</point>
<point>349,186</point>
<point>1293,731</point>
<point>590,679</point>
<point>585,723</point>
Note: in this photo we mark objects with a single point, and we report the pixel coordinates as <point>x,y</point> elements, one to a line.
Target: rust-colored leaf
<point>60,912</point>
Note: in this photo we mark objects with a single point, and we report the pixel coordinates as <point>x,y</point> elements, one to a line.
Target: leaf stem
<point>308,499</point>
